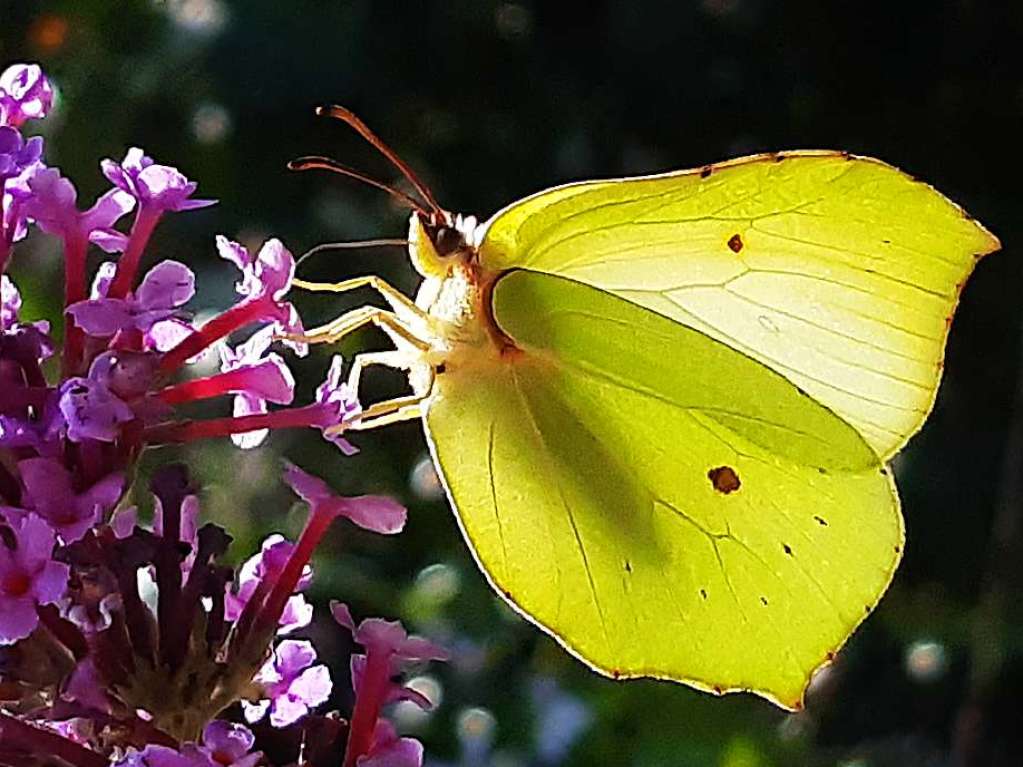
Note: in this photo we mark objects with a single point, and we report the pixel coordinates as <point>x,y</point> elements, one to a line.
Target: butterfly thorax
<point>456,289</point>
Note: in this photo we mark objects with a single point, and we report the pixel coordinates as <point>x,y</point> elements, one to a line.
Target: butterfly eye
<point>447,241</point>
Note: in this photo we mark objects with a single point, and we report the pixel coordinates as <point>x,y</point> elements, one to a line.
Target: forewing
<point>840,272</point>
<point>660,503</point>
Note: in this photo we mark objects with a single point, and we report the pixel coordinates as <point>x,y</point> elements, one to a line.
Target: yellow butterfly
<point>662,406</point>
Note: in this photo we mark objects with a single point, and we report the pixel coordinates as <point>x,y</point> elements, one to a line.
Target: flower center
<point>15,584</point>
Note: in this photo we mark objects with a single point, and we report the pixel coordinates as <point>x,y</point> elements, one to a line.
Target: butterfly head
<point>439,242</point>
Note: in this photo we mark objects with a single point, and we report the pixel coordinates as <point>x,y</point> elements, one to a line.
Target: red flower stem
<point>369,699</point>
<point>205,388</point>
<point>188,431</point>
<point>40,743</point>
<point>75,246</point>
<point>128,265</point>
<point>238,316</point>
<point>287,581</point>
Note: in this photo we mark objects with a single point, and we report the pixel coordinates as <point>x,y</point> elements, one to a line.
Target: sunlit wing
<point>660,503</point>
<point>839,272</point>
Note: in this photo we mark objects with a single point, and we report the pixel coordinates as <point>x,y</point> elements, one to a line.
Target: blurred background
<point>490,101</point>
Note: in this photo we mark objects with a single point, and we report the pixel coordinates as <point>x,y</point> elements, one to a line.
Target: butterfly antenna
<point>325,163</point>
<point>352,245</point>
<point>346,116</point>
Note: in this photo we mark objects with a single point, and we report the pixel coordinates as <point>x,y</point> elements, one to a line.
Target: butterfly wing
<point>839,272</point>
<point>660,503</point>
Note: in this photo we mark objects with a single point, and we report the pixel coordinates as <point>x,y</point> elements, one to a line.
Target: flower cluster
<point>133,646</point>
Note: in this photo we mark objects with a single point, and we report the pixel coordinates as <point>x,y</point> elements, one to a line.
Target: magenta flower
<point>28,577</point>
<point>340,406</point>
<point>260,379</point>
<point>388,650</point>
<point>165,287</point>
<point>155,187</point>
<point>54,207</point>
<point>291,683</point>
<point>25,94</point>
<point>266,278</point>
<point>265,567</point>
<point>49,493</point>
<point>371,512</point>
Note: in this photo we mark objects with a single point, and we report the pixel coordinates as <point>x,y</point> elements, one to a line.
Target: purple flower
<point>25,94</point>
<point>388,750</point>
<point>16,154</point>
<point>49,493</point>
<point>156,187</point>
<point>28,577</point>
<point>388,639</point>
<point>266,379</point>
<point>228,745</point>
<point>341,406</point>
<point>19,161</point>
<point>291,683</point>
<point>86,686</point>
<point>124,520</point>
<point>162,756</point>
<point>265,279</point>
<point>24,340</point>
<point>92,411</point>
<point>267,276</point>
<point>268,564</point>
<point>165,287</point>
<point>269,272</point>
<point>388,650</point>
<point>54,206</point>
<point>124,373</point>
<point>223,745</point>
<point>10,302</point>
<point>370,512</point>
<point>41,433</point>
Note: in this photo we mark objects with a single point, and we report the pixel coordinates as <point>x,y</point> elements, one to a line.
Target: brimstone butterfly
<point>662,407</point>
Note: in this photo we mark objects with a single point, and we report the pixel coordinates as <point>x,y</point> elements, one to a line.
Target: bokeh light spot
<point>211,123</point>
<point>513,21</point>
<point>424,480</point>
<point>926,660</point>
<point>205,17</point>
<point>475,728</point>
<point>48,33</point>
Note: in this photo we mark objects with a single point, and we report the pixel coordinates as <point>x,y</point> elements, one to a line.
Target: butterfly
<point>663,407</point>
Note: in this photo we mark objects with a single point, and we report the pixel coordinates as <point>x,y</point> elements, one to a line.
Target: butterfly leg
<point>402,305</point>
<point>358,318</point>
<point>389,411</point>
